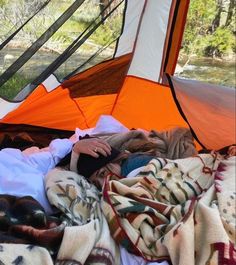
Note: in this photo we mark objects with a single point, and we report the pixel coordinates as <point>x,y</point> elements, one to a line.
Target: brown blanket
<point>173,144</point>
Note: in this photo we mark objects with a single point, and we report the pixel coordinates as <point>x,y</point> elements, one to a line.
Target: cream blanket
<point>182,209</point>
<point>86,237</point>
<point>24,254</point>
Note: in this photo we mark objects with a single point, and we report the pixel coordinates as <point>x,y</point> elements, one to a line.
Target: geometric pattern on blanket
<point>72,194</point>
<point>24,221</point>
<point>175,209</point>
<point>86,237</point>
<point>24,254</point>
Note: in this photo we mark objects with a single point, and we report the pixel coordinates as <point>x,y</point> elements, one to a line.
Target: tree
<point>103,4</point>
<point>209,30</point>
<point>216,21</point>
<point>200,15</point>
<point>230,13</point>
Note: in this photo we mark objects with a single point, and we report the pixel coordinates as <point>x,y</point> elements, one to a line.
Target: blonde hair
<point>143,146</point>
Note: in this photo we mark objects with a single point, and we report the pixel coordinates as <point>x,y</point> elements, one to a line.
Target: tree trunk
<point>103,4</point>
<point>230,12</point>
<point>216,21</point>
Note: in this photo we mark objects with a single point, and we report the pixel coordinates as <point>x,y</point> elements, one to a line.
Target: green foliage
<point>10,89</point>
<point>67,33</point>
<point>200,15</point>
<point>219,43</point>
<point>3,2</point>
<point>87,13</point>
<point>200,37</point>
<point>107,32</point>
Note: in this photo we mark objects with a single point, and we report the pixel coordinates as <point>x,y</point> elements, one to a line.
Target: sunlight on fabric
<point>6,107</point>
<point>51,83</point>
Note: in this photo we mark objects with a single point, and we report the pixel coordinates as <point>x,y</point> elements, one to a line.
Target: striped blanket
<point>183,210</point>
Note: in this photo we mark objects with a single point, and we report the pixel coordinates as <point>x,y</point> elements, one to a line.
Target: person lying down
<point>23,171</point>
<point>186,179</point>
<point>94,159</point>
<point>80,201</point>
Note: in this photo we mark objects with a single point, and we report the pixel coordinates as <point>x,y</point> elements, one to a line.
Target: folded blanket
<point>176,209</point>
<point>176,143</point>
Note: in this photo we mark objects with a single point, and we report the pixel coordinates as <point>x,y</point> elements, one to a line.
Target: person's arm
<point>47,158</point>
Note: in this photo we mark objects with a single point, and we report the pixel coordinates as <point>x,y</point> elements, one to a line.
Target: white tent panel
<point>51,83</point>
<point>6,107</point>
<point>132,18</point>
<point>151,39</point>
<point>210,110</point>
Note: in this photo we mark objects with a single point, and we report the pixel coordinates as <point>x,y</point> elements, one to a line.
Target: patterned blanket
<point>24,255</point>
<point>23,221</point>
<point>183,210</point>
<point>86,237</point>
<point>24,227</point>
<point>78,233</point>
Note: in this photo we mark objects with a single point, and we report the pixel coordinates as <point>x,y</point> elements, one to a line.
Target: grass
<point>11,88</point>
<point>65,36</point>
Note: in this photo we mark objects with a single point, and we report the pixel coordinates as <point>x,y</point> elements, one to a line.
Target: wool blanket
<point>18,254</point>
<point>86,237</point>
<point>181,209</point>
<point>24,221</point>
<point>173,144</point>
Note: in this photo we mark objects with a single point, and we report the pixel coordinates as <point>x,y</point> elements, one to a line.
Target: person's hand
<point>93,147</point>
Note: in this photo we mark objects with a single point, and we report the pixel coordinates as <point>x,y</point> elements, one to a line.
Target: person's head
<point>96,169</point>
<point>98,177</point>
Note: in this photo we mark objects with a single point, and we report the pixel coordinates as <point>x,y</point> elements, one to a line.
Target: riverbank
<point>209,70</point>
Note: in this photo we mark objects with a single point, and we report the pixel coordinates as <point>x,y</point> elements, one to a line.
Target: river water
<point>208,70</point>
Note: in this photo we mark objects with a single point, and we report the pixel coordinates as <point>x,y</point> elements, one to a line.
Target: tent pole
<point>39,42</point>
<point>71,49</point>
<point>5,42</point>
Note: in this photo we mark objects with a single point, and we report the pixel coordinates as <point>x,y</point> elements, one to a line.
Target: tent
<point>132,86</point>
<point>138,88</point>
